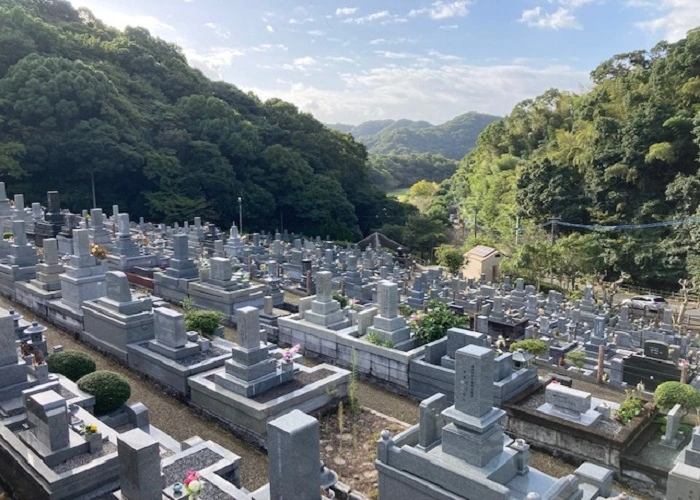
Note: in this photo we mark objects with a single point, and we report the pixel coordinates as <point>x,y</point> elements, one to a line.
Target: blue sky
<point>351,61</point>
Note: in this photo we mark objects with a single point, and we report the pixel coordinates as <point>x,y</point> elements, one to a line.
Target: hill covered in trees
<point>81,101</point>
<point>625,152</point>
<point>452,139</point>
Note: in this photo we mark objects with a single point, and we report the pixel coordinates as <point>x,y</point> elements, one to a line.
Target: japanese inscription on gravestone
<point>656,349</point>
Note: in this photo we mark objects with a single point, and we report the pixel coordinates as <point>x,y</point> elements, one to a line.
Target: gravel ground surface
<point>166,412</point>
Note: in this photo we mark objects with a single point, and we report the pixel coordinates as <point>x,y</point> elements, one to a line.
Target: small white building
<point>483,260</point>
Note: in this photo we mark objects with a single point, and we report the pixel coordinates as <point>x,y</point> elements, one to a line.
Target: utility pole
<point>553,222</point>
<point>517,229</point>
<point>476,211</point>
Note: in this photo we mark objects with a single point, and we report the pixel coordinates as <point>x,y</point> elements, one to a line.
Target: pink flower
<point>192,475</point>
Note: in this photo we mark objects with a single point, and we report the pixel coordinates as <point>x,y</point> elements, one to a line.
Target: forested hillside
<point>625,152</point>
<point>452,139</point>
<point>389,172</point>
<point>81,100</point>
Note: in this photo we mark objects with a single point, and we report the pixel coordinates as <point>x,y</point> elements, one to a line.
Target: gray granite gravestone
<point>294,466</point>
<point>140,476</point>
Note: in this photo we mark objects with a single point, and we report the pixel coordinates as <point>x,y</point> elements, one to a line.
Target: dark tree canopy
<point>81,100</point>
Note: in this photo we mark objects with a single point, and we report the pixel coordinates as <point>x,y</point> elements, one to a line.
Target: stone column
<point>293,450</point>
<point>140,475</point>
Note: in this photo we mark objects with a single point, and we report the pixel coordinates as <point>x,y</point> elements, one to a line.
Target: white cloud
<point>387,54</point>
<point>447,27</point>
<point>673,18</point>
<point>316,33</point>
<point>341,59</point>
<point>435,94</point>
<point>267,47</point>
<point>560,19</point>
<point>392,41</point>
<point>441,9</point>
<point>220,31</point>
<point>443,57</point>
<point>270,29</point>
<point>302,64</point>
<point>345,11</point>
<point>121,20</point>
<point>301,21</point>
<point>375,16</point>
<point>214,60</point>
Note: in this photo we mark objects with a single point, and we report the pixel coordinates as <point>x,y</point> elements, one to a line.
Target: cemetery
<point>118,288</point>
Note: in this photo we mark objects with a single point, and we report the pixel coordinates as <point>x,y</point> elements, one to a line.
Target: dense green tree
<point>85,107</point>
<point>624,152</point>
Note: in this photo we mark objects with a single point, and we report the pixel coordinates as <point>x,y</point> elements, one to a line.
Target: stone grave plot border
<point>249,418</point>
<point>382,365</point>
<point>32,478</point>
<point>570,439</point>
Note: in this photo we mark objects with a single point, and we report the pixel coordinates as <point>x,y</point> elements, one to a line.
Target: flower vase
<point>94,441</point>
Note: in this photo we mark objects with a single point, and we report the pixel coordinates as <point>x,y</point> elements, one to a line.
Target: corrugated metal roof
<point>481,251</point>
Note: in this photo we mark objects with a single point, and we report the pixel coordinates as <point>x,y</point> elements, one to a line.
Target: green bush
<point>533,346</point>
<point>577,358</point>
<point>629,408</point>
<point>434,323</point>
<point>72,364</point>
<point>203,322</point>
<point>342,299</point>
<point>669,394</point>
<point>110,389</point>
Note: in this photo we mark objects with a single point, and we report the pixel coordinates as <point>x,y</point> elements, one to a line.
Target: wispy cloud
<point>220,31</point>
<point>301,21</point>
<point>388,54</point>
<point>443,57</point>
<point>392,41</point>
<point>270,29</point>
<point>214,60</point>
<point>441,9</point>
<point>434,93</point>
<point>672,18</point>
<point>375,16</point>
<point>267,47</point>
<point>302,64</point>
<point>560,19</point>
<point>121,19</point>
<point>447,27</point>
<point>345,11</point>
<point>316,33</point>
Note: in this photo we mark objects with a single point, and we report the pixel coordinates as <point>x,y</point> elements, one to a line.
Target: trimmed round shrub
<point>669,394</point>
<point>72,364</point>
<point>109,388</point>
<point>203,322</point>
<point>533,346</point>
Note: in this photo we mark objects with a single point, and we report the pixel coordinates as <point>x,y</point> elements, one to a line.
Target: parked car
<point>648,303</point>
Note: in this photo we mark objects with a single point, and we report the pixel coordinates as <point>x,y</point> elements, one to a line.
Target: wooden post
<point>601,362</point>
<point>684,373</point>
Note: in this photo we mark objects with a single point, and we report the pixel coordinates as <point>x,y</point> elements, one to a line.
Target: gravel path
<point>166,412</point>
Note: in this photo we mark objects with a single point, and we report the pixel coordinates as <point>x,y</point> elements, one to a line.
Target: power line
<point>621,227</point>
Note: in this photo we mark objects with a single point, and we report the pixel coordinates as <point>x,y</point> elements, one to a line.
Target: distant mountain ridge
<point>452,139</point>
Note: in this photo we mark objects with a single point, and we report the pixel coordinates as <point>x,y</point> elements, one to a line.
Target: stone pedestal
<point>113,321</point>
<point>325,311</point>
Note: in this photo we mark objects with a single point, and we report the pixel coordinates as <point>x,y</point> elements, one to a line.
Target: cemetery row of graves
<point>472,352</point>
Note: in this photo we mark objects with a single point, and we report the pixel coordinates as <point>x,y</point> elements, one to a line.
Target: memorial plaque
<point>655,349</point>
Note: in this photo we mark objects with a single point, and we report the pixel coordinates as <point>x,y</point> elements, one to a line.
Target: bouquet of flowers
<point>288,354</point>
<point>89,429</point>
<point>193,485</point>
